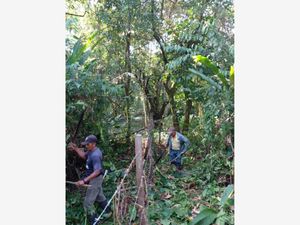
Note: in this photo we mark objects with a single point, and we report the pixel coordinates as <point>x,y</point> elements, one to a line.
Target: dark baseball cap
<point>89,139</point>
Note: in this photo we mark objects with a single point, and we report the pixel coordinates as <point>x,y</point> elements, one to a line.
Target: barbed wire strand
<point>117,190</point>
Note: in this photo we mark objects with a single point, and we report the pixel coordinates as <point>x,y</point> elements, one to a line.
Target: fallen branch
<point>72,14</point>
<point>139,130</point>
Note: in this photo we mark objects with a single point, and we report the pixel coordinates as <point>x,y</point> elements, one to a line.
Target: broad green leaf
<point>226,194</point>
<point>230,201</point>
<point>206,217</point>
<point>133,214</point>
<point>166,213</point>
<point>208,79</point>
<point>181,212</point>
<point>211,66</point>
<point>77,52</point>
<point>165,222</point>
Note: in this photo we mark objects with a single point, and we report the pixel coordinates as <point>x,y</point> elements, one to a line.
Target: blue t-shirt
<point>94,161</point>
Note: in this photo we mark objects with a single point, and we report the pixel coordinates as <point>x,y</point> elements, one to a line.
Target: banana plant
<point>82,49</point>
<point>213,70</point>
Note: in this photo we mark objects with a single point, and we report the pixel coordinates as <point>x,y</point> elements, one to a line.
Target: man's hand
<point>71,146</point>
<point>79,183</point>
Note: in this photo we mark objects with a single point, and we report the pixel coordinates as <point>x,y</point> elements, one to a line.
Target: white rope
<point>105,173</point>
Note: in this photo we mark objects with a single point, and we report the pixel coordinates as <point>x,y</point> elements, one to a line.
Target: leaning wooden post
<point>139,180</point>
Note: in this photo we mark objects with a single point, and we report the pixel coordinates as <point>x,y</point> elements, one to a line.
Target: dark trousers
<point>173,154</point>
<point>94,193</point>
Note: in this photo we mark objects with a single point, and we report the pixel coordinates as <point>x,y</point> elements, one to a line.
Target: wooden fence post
<point>140,181</point>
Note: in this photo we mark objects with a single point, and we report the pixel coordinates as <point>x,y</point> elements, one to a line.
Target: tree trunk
<point>187,112</point>
<point>146,110</point>
<point>127,83</point>
<point>152,102</point>
<point>159,133</point>
<point>173,108</point>
<point>127,109</point>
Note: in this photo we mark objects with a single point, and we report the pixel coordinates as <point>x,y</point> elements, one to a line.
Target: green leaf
<point>80,50</point>
<point>181,212</point>
<point>230,202</point>
<point>166,213</point>
<point>163,179</point>
<point>226,194</point>
<point>208,79</point>
<point>222,218</point>
<point>206,217</point>
<point>165,222</point>
<point>211,66</point>
<point>133,214</point>
<point>77,52</point>
<point>231,74</point>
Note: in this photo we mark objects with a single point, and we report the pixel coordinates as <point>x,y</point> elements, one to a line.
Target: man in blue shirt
<point>177,144</point>
<point>93,176</point>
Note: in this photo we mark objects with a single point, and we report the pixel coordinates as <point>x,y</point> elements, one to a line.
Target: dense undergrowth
<point>176,198</point>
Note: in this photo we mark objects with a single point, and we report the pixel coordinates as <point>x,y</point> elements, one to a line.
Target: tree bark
<point>152,100</point>
<point>127,109</point>
<point>127,82</point>
<point>171,92</point>
<point>174,113</point>
<point>146,109</point>
<point>187,112</point>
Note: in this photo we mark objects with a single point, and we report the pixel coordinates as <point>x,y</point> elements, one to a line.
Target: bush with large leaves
<point>220,216</point>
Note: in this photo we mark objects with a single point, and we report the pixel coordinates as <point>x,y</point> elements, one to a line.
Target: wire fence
<point>130,202</point>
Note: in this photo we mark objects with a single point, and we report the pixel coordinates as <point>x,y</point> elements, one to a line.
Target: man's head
<point>90,142</point>
<point>172,131</point>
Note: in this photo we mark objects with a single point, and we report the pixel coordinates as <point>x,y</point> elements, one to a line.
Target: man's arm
<point>79,151</point>
<point>92,176</point>
<point>87,179</point>
<point>186,142</point>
